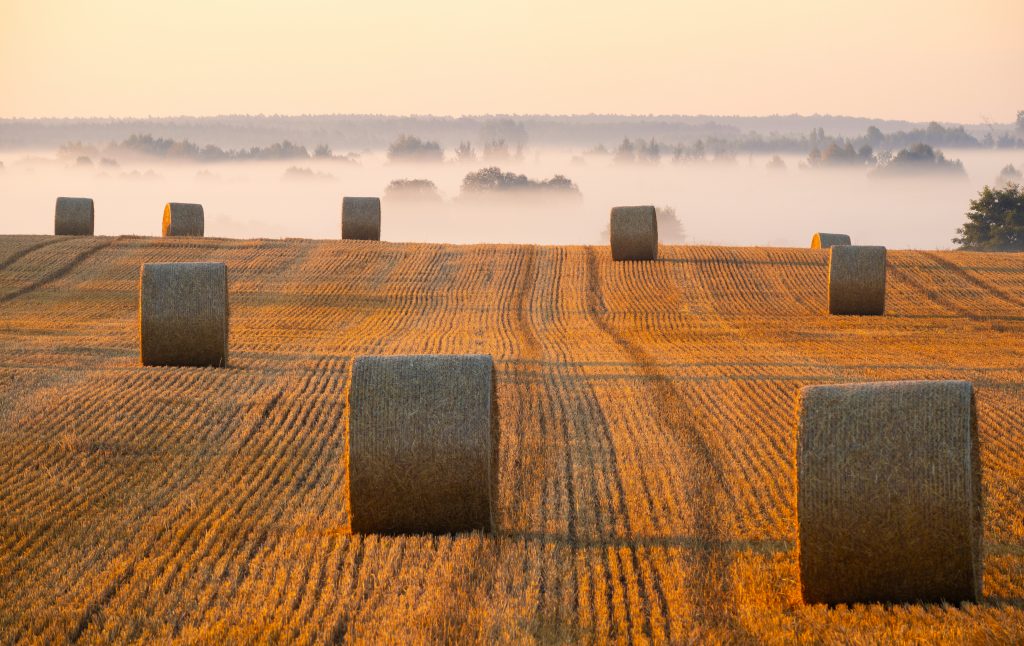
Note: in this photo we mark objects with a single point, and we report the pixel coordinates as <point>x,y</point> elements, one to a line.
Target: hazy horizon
<point>735,201</point>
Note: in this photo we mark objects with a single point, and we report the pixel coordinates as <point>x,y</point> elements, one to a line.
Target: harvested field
<point>646,459</point>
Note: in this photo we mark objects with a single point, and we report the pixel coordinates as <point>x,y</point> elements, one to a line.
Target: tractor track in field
<point>674,413</point>
<point>932,295</point>
<point>21,253</point>
<point>959,271</point>
<point>57,274</point>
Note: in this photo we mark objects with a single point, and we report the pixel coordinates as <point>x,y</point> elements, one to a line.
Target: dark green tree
<point>995,221</point>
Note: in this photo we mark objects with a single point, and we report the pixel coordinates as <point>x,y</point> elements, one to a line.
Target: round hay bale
<point>856,280</point>
<point>360,218</point>
<point>74,216</point>
<point>826,240</point>
<point>183,220</point>
<point>422,441</point>
<point>183,314</point>
<point>889,492</point>
<point>634,233</point>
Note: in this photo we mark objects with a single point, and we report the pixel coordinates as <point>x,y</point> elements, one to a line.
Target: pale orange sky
<point>948,60</point>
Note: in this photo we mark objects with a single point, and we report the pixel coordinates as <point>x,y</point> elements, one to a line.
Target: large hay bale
<point>422,441</point>
<point>183,220</point>
<point>856,280</point>
<point>634,233</point>
<point>889,492</point>
<point>360,218</point>
<point>826,240</point>
<point>74,216</point>
<point>183,314</point>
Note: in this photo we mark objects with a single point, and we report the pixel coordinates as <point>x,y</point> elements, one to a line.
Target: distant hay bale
<point>422,440</point>
<point>826,240</point>
<point>856,280</point>
<point>183,220</point>
<point>360,218</point>
<point>889,492</point>
<point>74,216</point>
<point>634,233</point>
<point>183,314</point>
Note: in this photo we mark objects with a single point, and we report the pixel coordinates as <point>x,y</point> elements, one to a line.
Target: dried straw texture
<point>889,492</point>
<point>360,218</point>
<point>826,240</point>
<point>74,216</point>
<point>183,314</point>
<point>183,220</point>
<point>856,280</point>
<point>634,233</point>
<point>422,440</point>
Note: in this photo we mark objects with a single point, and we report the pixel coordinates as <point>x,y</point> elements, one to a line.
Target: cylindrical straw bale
<point>183,314</point>
<point>826,240</point>
<point>888,492</point>
<point>856,280</point>
<point>74,216</point>
<point>422,441</point>
<point>634,233</point>
<point>183,220</point>
<point>360,218</point>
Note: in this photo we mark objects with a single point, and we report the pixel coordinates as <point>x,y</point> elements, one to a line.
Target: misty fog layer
<point>740,202</point>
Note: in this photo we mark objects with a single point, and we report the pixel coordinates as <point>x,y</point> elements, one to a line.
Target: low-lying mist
<point>745,201</point>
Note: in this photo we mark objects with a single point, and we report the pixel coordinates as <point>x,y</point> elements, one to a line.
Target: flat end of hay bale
<point>856,280</point>
<point>183,314</point>
<point>360,218</point>
<point>74,216</point>
<point>827,240</point>
<point>183,220</point>
<point>888,492</point>
<point>634,233</point>
<point>422,442</point>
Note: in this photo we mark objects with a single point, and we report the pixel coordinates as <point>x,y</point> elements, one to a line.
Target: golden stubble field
<point>646,461</point>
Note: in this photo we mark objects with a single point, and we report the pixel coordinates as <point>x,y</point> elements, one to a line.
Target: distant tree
<point>301,173</point>
<point>995,221</point>
<point>626,152</point>
<point>698,151</point>
<point>776,163</point>
<point>464,152</point>
<point>75,149</point>
<point>1009,175</point>
<point>648,151</point>
<point>84,160</point>
<point>492,179</point>
<point>836,155</point>
<point>497,150</point>
<point>509,130</point>
<point>106,161</point>
<point>409,148</point>
<point>874,137</point>
<point>323,150</point>
<point>670,229</point>
<point>160,147</point>
<point>920,158</point>
<point>413,190</point>
<point>1020,122</point>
